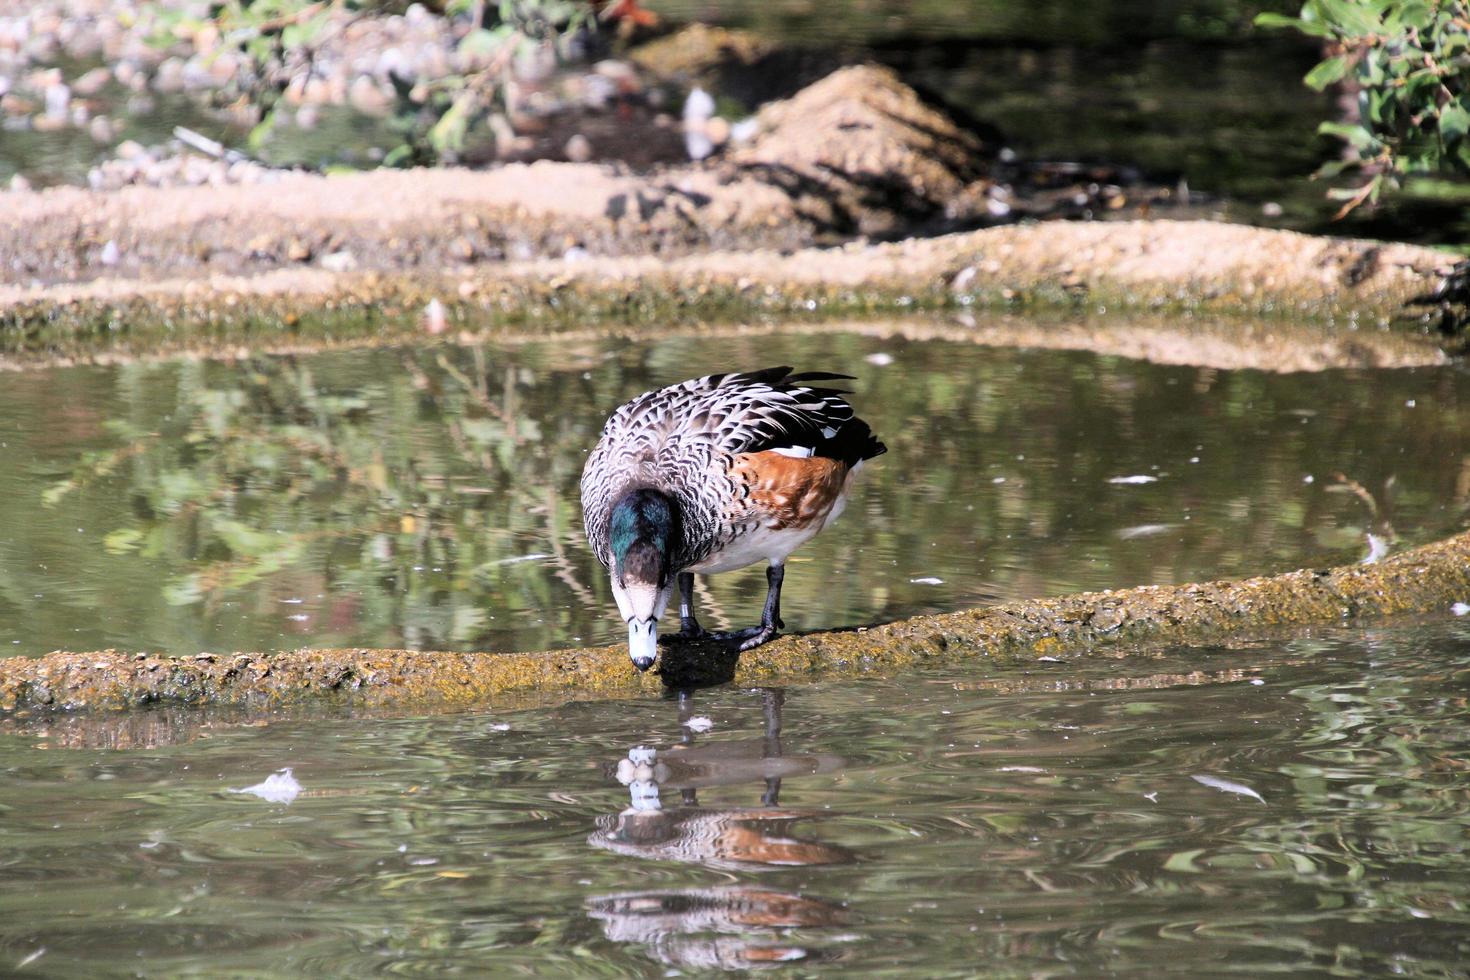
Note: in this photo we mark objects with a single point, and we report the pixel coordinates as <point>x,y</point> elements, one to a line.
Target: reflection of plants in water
<point>400,493</point>
<point>250,477</point>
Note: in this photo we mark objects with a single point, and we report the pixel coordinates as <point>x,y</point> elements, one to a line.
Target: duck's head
<point>641,536</point>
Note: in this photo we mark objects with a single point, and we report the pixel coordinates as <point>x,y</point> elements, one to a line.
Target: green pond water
<point>427,497</point>
<point>1048,822</point>
<point>1295,803</point>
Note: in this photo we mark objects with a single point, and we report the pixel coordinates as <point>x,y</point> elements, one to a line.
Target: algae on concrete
<point>1422,580</point>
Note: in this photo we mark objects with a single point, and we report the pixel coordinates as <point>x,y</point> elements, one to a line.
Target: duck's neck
<point>642,535</point>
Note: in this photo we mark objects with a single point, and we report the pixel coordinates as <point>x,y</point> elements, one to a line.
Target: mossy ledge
<point>1175,268</point>
<point>1426,579</point>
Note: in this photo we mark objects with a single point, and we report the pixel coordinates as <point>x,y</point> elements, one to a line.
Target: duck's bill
<point>643,642</point>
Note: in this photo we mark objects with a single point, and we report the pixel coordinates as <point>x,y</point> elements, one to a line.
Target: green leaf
<point>1328,72</point>
<point>1413,13</point>
<point>1353,134</point>
<point>484,42</point>
<point>400,156</point>
<point>1349,17</point>
<point>1273,21</point>
<point>448,133</point>
<point>1454,122</point>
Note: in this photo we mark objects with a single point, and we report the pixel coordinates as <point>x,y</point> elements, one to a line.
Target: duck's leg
<point>771,623</point>
<point>689,628</point>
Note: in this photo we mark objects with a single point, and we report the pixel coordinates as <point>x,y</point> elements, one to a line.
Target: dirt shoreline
<point>1200,269</point>
<point>1426,579</point>
<point>782,225</point>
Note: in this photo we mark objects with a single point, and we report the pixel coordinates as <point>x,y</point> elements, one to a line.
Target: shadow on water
<point>731,926</point>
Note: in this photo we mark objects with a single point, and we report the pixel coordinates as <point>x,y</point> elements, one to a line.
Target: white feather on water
<point>278,787</point>
<point>1143,531</point>
<point>1227,786</point>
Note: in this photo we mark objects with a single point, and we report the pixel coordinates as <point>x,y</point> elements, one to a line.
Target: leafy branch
<point>1409,61</point>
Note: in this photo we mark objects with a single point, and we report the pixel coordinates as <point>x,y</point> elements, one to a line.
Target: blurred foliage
<point>1409,63</point>
<point>433,117</point>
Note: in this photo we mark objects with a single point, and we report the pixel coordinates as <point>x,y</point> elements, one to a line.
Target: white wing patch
<point>795,452</point>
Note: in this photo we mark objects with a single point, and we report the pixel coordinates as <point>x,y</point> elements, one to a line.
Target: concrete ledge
<point>1426,579</point>
<point>1167,268</point>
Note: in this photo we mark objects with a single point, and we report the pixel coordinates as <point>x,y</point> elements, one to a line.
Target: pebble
<point>92,82</point>
<point>134,164</point>
<point>578,149</point>
<point>343,261</point>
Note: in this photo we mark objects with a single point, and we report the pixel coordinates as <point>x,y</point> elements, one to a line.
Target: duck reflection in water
<point>732,926</point>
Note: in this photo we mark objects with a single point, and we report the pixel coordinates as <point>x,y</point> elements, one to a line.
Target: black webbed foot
<point>762,634</point>
<point>750,637</point>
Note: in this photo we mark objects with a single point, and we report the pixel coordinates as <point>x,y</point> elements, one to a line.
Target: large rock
<point>864,154</point>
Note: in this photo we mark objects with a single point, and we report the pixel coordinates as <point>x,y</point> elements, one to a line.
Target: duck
<point>711,475</point>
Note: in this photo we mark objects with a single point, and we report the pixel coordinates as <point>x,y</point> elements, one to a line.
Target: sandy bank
<point>784,224</point>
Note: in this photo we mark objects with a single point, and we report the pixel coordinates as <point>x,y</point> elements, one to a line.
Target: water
<point>427,497</point>
<point>944,823</point>
<point>1293,803</point>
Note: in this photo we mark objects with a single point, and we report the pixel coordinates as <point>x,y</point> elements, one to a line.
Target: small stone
<point>110,254</point>
<point>365,96</point>
<point>170,75</point>
<point>16,105</point>
<point>342,261</point>
<point>316,91</point>
<point>434,320</point>
<point>92,82</point>
<point>19,183</point>
<point>131,150</point>
<point>298,251</point>
<point>578,149</point>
